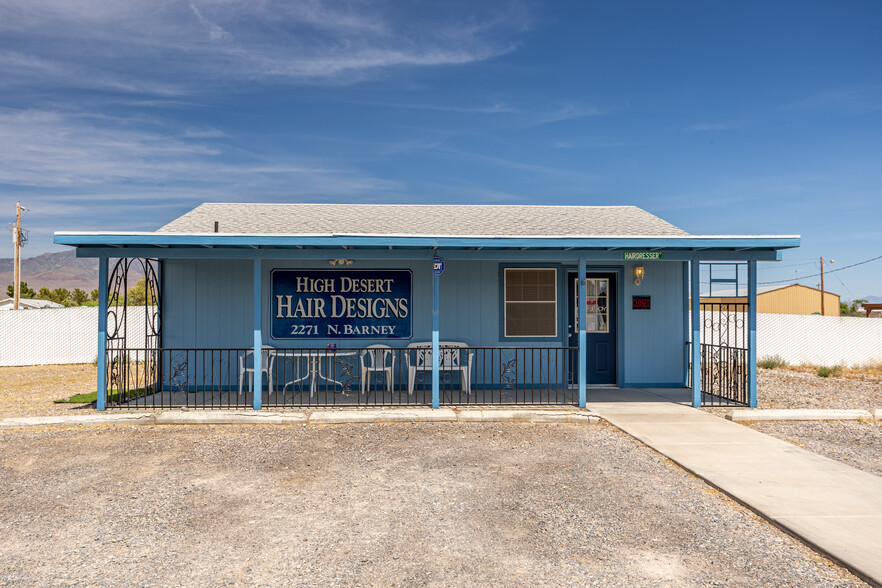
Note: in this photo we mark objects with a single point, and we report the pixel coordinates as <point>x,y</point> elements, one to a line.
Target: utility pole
<point>822,285</point>
<point>16,241</point>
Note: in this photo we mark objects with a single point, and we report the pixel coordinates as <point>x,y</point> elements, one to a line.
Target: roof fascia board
<point>249,253</point>
<point>532,255</point>
<point>689,242</point>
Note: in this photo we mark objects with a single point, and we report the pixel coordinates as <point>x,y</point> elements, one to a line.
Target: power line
<point>839,269</point>
<point>846,287</point>
<point>772,266</point>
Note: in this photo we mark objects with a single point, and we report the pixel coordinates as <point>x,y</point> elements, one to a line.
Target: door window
<point>596,305</point>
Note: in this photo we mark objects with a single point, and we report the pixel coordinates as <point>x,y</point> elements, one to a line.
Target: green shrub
<point>771,362</point>
<point>826,372</point>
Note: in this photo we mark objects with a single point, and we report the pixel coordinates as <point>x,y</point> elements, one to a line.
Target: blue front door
<point>600,327</point>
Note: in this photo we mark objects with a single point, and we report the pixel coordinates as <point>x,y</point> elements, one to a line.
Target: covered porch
<point>477,319</point>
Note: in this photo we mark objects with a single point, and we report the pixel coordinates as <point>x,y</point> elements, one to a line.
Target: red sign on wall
<point>640,302</point>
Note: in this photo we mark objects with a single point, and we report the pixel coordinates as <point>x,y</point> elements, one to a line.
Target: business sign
<point>640,302</point>
<point>341,304</point>
<point>644,255</point>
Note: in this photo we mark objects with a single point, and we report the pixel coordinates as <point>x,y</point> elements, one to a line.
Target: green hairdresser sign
<point>644,255</point>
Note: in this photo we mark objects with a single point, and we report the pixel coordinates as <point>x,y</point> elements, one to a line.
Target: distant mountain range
<point>56,270</point>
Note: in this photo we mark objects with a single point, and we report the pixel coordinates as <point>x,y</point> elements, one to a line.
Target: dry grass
<point>867,372</point>
<point>30,390</point>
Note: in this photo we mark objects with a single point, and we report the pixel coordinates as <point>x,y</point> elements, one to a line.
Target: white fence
<point>819,340</point>
<point>70,335</point>
<point>58,335</point>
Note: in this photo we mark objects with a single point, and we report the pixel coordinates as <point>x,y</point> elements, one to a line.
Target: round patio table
<point>314,371</point>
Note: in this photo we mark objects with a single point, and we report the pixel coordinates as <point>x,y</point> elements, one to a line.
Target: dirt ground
<point>30,390</point>
<point>363,505</point>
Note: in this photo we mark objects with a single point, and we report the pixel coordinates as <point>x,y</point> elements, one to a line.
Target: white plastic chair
<point>373,360</point>
<point>451,361</point>
<point>266,367</point>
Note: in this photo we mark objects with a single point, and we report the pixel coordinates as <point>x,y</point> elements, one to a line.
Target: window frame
<point>503,327</point>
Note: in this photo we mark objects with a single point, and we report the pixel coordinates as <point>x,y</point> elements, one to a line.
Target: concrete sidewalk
<point>833,507</point>
<point>568,415</point>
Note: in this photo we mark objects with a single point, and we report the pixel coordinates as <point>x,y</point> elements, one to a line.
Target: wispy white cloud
<point>567,111</point>
<point>166,47</point>
<point>700,127</point>
<point>97,158</point>
<point>848,99</point>
<point>588,144</point>
<point>205,133</point>
<point>495,108</point>
<point>53,148</point>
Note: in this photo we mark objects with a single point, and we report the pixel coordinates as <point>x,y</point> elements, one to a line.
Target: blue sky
<point>720,117</point>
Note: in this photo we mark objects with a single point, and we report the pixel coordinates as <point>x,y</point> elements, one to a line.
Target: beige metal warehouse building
<point>792,299</point>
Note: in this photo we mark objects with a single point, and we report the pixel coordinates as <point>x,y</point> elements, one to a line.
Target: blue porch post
<point>751,341</point>
<point>580,313</point>
<point>100,403</point>
<point>685,265</point>
<point>258,335</point>
<point>436,383</point>
<point>696,334</point>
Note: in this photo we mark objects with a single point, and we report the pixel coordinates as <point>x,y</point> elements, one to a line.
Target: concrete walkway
<point>829,505</point>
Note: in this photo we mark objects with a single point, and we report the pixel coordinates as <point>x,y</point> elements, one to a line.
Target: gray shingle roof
<point>421,220</point>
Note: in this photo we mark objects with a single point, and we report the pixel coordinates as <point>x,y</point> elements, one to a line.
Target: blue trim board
<point>570,256</point>
<point>620,323</point>
<point>215,240</point>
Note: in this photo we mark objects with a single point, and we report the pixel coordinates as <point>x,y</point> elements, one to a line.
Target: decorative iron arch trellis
<point>133,367</point>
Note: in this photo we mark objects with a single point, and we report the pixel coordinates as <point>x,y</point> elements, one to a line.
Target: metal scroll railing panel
<point>725,377</point>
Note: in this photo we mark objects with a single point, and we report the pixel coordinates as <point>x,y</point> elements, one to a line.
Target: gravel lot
<point>854,443</point>
<point>393,505</point>
<point>791,389</point>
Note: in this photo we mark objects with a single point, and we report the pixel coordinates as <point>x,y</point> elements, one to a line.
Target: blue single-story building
<point>347,304</point>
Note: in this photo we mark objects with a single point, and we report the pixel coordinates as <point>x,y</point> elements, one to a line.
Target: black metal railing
<point>514,375</point>
<point>372,376</point>
<point>167,378</point>
<point>403,376</point>
<point>725,377</point>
